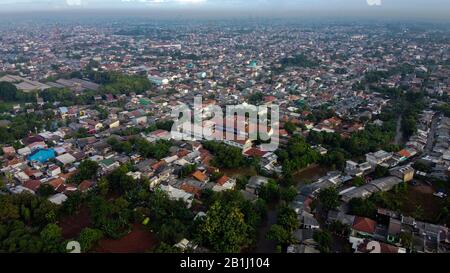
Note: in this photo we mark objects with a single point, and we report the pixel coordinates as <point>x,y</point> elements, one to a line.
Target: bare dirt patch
<point>72,225</point>
<point>139,240</point>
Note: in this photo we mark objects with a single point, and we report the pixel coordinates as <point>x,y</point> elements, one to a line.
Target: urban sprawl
<point>88,155</point>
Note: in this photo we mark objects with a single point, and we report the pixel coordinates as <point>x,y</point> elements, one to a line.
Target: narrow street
<point>264,245</point>
<point>399,133</point>
<point>431,135</point>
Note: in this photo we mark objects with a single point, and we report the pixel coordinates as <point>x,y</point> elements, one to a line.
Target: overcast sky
<point>423,8</point>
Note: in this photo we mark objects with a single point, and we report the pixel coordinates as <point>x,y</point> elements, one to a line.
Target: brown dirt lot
<point>238,172</point>
<point>72,225</point>
<point>421,195</point>
<point>139,240</point>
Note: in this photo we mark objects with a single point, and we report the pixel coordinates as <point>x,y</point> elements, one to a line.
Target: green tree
<point>280,235</point>
<point>358,181</point>
<point>225,229</point>
<point>8,91</point>
<point>288,194</point>
<point>51,238</point>
<point>166,248</point>
<point>73,203</point>
<point>103,186</point>
<point>287,218</point>
<point>380,171</point>
<point>46,190</point>
<point>329,198</point>
<point>290,127</point>
<point>270,192</point>
<point>8,210</point>
<point>324,239</point>
<point>362,207</point>
<point>88,238</point>
<point>87,170</point>
<point>406,240</point>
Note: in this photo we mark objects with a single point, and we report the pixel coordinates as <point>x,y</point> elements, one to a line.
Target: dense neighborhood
<point>88,151</point>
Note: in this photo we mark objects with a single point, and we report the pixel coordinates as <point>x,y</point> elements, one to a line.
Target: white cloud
<point>167,1</point>
<point>374,2</point>
<point>73,2</point>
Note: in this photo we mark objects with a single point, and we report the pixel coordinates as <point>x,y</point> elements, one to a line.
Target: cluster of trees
<point>287,223</point>
<point>10,93</point>
<point>231,222</point>
<point>377,76</point>
<point>64,95</point>
<point>359,143</point>
<point>389,200</point>
<point>160,125</point>
<point>27,224</point>
<point>256,98</point>
<point>323,239</point>
<point>413,104</point>
<point>88,238</point>
<point>187,170</point>
<point>112,217</point>
<point>123,147</point>
<point>297,155</point>
<point>335,158</point>
<point>299,60</point>
<point>290,127</point>
<point>116,83</point>
<point>225,156</point>
<point>23,124</point>
<point>329,198</point>
<point>274,192</point>
<point>170,220</point>
<point>158,150</point>
<point>444,108</point>
<point>87,170</point>
<point>444,214</point>
<point>320,113</point>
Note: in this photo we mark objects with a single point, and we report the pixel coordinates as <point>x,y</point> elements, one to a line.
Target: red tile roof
<point>191,189</point>
<point>182,153</point>
<point>158,164</point>
<point>56,183</point>
<point>223,180</point>
<point>32,184</point>
<point>364,225</point>
<point>404,153</point>
<point>86,184</point>
<point>200,176</point>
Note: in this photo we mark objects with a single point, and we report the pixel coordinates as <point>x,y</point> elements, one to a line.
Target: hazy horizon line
<point>231,13</point>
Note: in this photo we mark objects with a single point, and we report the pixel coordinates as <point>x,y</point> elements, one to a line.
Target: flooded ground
<point>239,172</point>
<point>310,174</point>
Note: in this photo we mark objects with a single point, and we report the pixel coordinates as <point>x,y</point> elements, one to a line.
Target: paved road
<point>432,134</point>
<point>265,245</point>
<point>399,133</point>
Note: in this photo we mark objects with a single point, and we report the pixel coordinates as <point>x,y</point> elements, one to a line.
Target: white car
<point>440,194</point>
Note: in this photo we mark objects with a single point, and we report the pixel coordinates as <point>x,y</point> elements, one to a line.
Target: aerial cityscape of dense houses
<point>364,131</point>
